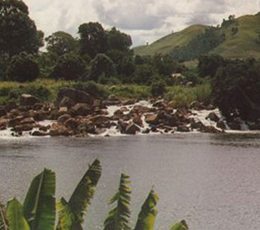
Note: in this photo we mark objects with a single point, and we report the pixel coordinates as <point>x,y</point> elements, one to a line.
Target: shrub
<point>69,67</point>
<point>158,88</point>
<point>22,68</point>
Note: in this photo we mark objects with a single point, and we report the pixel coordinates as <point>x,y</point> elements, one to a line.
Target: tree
<point>69,67</point>
<point>93,39</point>
<point>101,65</point>
<point>18,31</point>
<point>118,40</point>
<point>208,65</point>
<point>236,89</point>
<point>61,43</point>
<point>22,68</point>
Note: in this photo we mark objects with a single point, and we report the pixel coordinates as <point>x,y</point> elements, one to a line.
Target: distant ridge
<point>242,39</point>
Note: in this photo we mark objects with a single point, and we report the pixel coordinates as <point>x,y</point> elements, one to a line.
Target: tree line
<point>97,54</point>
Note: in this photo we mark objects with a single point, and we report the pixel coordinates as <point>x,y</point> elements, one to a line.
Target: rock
<point>71,123</point>
<point>132,129</point>
<point>129,102</point>
<point>2,111</point>
<point>137,119</point>
<point>66,102</point>
<point>59,130</point>
<point>99,119</point>
<point>63,110</point>
<point>39,133</point>
<point>213,117</point>
<point>28,100</point>
<point>15,121</point>
<point>3,123</point>
<point>10,106</point>
<point>146,131</point>
<point>221,124</point>
<point>196,124</point>
<point>141,109</point>
<point>44,128</point>
<point>28,120</point>
<point>197,105</point>
<point>151,119</point>
<point>63,118</point>
<point>183,128</point>
<point>234,125</point>
<point>80,109</point>
<point>24,127</point>
<point>210,129</point>
<point>77,96</point>
<point>121,125</point>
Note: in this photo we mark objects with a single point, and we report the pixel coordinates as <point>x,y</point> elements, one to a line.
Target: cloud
<point>144,20</point>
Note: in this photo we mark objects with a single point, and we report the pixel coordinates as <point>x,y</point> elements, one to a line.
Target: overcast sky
<point>144,20</point>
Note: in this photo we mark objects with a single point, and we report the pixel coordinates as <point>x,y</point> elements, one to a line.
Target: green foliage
<point>69,67</point>
<point>182,225</point>
<point>84,192</point>
<point>236,89</point>
<point>208,65</point>
<point>22,68</point>
<point>146,218</point>
<point>15,217</point>
<point>39,204</point>
<point>101,65</point>
<point>18,31</point>
<point>143,74</point>
<point>93,39</point>
<point>158,88</point>
<point>118,40</point>
<point>61,43</point>
<point>118,218</point>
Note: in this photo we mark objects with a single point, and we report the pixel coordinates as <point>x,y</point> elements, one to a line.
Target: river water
<point>211,181</point>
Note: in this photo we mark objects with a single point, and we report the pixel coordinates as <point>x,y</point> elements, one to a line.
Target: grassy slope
<point>169,42</point>
<point>242,44</point>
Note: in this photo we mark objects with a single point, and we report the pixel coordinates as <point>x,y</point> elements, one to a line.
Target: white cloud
<point>144,20</point>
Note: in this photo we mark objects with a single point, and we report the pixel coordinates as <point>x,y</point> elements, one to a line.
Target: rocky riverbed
<point>76,113</point>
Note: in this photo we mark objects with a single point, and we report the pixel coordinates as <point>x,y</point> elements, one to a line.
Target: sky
<point>145,20</point>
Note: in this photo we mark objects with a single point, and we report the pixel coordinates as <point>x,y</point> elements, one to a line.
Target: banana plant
<point>182,225</point>
<point>146,218</point>
<point>71,213</point>
<point>118,217</point>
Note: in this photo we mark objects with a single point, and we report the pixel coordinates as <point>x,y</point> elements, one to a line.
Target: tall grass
<point>184,95</point>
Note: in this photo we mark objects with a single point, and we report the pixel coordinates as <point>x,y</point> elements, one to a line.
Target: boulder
<point>183,128</point>
<point>137,119</point>
<point>152,118</point>
<point>213,117</point>
<point>77,96</point>
<point>221,124</point>
<point>15,121</point>
<point>80,109</point>
<point>197,105</point>
<point>99,119</point>
<point>27,120</point>
<point>59,130</point>
<point>63,118</point>
<point>3,123</point>
<point>28,100</point>
<point>71,123</point>
<point>121,125</point>
<point>66,102</point>
<point>24,127</point>
<point>39,133</point>
<point>132,129</point>
<point>210,129</point>
<point>2,111</point>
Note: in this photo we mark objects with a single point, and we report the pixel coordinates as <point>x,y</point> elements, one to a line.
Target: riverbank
<point>77,113</point>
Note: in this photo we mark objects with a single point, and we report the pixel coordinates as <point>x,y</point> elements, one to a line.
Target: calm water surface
<point>211,181</point>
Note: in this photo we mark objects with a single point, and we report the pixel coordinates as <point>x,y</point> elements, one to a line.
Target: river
<point>211,181</point>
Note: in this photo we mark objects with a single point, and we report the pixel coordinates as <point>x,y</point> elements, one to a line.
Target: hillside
<point>243,42</point>
<point>171,41</point>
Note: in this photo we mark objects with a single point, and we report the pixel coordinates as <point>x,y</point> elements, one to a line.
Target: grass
<point>184,95</point>
<point>166,44</point>
<point>47,89</point>
<point>240,45</point>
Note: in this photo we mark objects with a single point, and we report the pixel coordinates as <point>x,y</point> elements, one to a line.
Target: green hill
<point>242,39</point>
<point>166,44</point>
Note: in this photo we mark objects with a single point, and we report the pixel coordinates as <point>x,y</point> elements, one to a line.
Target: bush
<point>158,88</point>
<point>22,68</point>
<point>69,67</point>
